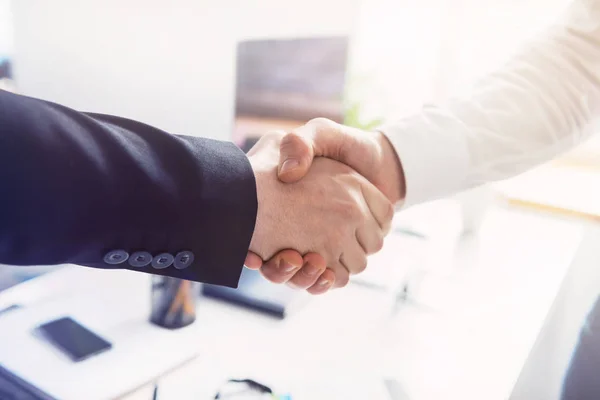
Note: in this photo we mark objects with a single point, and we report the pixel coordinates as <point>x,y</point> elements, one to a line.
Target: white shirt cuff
<point>433,153</point>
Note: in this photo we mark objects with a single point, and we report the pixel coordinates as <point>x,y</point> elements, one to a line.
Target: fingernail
<point>288,165</point>
<point>286,266</point>
<point>310,270</point>
<point>324,282</point>
<point>289,268</point>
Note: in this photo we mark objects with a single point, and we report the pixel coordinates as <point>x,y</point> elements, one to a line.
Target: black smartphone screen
<point>73,339</point>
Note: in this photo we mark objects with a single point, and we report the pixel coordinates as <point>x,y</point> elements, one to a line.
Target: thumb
<point>253,261</point>
<point>295,157</point>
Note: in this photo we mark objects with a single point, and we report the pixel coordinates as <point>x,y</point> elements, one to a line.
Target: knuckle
<point>341,275</point>
<point>388,213</point>
<point>378,244</point>
<point>374,244</point>
<point>302,280</point>
<point>321,121</point>
<point>296,145</point>
<point>342,279</point>
<point>290,141</point>
<point>272,274</point>
<point>361,266</point>
<point>296,283</point>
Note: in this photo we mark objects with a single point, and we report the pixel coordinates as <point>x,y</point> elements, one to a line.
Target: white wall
<point>5,28</point>
<point>169,63</point>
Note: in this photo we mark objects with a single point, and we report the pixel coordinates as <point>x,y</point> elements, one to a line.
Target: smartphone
<point>72,339</point>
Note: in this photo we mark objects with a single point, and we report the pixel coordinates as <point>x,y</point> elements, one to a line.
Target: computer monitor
<point>283,83</point>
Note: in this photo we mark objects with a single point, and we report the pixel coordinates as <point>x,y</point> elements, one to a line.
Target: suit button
<point>140,259</point>
<point>115,257</point>
<point>184,259</point>
<point>163,260</point>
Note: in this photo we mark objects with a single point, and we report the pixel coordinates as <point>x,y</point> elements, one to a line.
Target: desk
<point>470,342</point>
<point>114,304</point>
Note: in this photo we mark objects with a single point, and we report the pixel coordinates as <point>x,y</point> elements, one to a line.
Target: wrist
<point>268,198</point>
<point>258,221</point>
<point>392,180</point>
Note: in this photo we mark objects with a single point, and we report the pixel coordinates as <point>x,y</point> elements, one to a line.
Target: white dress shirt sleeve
<point>539,105</point>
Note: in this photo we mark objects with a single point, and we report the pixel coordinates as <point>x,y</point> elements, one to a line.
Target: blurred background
<point>477,296</point>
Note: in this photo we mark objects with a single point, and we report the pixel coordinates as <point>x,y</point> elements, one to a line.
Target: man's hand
<point>369,153</point>
<point>332,211</point>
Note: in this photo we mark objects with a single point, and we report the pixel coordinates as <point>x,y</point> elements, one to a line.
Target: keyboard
<point>14,388</point>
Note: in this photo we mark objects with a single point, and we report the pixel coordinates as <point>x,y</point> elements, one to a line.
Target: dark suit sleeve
<point>94,190</point>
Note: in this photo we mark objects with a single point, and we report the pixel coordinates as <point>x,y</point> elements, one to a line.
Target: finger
<point>314,266</point>
<point>342,274</point>
<point>351,146</point>
<point>370,236</point>
<point>323,284</point>
<point>381,208</point>
<point>282,266</point>
<point>253,261</point>
<point>354,259</point>
<point>295,156</point>
<point>318,137</point>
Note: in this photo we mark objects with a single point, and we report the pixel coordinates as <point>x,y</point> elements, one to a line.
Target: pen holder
<point>173,302</point>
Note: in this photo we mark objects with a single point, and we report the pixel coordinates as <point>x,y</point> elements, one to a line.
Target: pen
<point>155,395</point>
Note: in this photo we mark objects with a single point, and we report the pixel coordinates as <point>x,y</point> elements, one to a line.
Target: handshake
<point>326,195</point>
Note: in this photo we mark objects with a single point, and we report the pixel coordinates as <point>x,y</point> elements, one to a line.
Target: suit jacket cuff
<point>226,213</point>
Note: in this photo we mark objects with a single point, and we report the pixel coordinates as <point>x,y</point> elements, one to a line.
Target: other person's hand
<point>368,153</point>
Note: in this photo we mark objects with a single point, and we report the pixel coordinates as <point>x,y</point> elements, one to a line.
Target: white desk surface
<point>469,342</point>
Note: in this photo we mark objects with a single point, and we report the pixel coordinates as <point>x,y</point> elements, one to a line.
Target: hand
<point>310,272</point>
<point>369,153</point>
<point>332,211</point>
